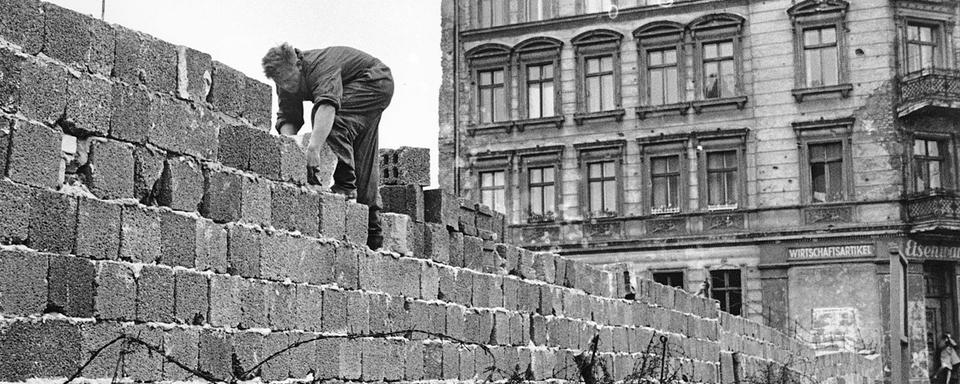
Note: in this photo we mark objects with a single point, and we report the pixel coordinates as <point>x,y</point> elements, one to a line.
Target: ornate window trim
<point>491,162</point>
<point>595,152</point>
<point>950,160</point>
<point>824,132</point>
<point>720,141</point>
<point>590,44</point>
<point>711,29</point>
<point>551,156</point>
<point>661,146</point>
<point>538,51</point>
<point>654,36</point>
<point>817,14</point>
<point>486,57</point>
<point>944,28</point>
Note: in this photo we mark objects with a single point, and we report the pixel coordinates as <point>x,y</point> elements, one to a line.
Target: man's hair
<point>279,58</point>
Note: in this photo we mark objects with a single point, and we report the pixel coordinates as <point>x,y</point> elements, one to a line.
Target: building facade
<point>779,155</point>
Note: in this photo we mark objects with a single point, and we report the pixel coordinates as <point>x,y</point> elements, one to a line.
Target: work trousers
<point>354,138</point>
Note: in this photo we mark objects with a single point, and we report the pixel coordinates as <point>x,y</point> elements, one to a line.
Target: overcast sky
<point>404,34</point>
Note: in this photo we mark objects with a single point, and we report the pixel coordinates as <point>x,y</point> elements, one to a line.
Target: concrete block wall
<point>156,232</point>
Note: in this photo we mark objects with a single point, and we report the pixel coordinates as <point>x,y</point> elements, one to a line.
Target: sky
<point>404,34</point>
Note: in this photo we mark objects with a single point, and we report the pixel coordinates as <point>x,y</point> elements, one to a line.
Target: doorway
<point>939,292</point>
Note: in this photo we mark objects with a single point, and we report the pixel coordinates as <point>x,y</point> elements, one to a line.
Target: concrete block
<point>140,235</point>
<point>463,292</point>
<point>408,276</point>
<point>374,359</point>
<point>24,275</point>
<point>25,346</point>
<point>275,157</point>
<point>473,253</point>
<point>211,247</point>
<point>98,229</point>
<point>115,296</point>
<point>243,250</point>
<point>227,89</point>
<point>429,281</point>
<point>135,113</point>
<point>181,184</point>
<point>526,264</point>
<point>22,23</point>
<point>483,218</point>
<point>482,283</point>
<point>358,312</point>
<point>294,208</point>
<point>257,101</point>
<point>309,305</point>
<point>191,297</point>
<point>15,202</point>
<point>147,170</point>
<point>282,304</point>
<point>94,336</point>
<point>194,74</point>
<point>303,357</point>
<point>155,294</point>
<point>403,199</point>
<point>485,332</point>
<point>279,366</point>
<point>185,128</point>
<point>278,254</point>
<point>53,222</point>
<point>467,219</point>
<point>405,165</point>
<point>559,270</point>
<point>441,207</point>
<point>339,358</point>
<point>89,100</point>
<point>413,363</point>
<point>225,301</point>
<point>232,196</point>
<point>398,233</point>
<point>529,299</point>
<point>178,239</point>
<point>37,89</point>
<point>34,155</point>
<point>436,242</point>
<point>146,60</point>
<point>433,361</point>
<point>356,228</point>
<point>545,267</point>
<point>235,144</point>
<point>451,361</point>
<point>183,346</point>
<point>511,257</point>
<point>467,356</point>
<point>254,306</point>
<point>333,211</point>
<point>346,265</point>
<point>511,293</point>
<point>456,249</point>
<point>248,347</point>
<point>216,351</point>
<point>111,169</point>
<point>335,311</point>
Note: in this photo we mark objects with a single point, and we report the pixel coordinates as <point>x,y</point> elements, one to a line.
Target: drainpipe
<point>456,97</point>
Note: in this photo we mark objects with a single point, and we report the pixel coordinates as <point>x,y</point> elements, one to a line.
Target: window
<point>665,182</point>
<point>723,179</point>
<point>537,10</point>
<point>599,81</point>
<point>670,279</point>
<point>540,91</point>
<point>826,171</point>
<point>492,13</point>
<point>489,64</point>
<point>662,74</point>
<point>725,287</point>
<point>492,93</point>
<point>602,188</point>
<point>493,190</point>
<point>820,55</point>
<point>594,6</point>
<point>719,76</point>
<point>541,190</point>
<point>922,46</point>
<point>928,164</point>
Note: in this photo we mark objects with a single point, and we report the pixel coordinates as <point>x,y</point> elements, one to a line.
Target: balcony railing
<point>937,207</point>
<point>929,87</point>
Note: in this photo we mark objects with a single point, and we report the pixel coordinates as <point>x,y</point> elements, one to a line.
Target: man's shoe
<point>374,242</point>
<point>350,194</point>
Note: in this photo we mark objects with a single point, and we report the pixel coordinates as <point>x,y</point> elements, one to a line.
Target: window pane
<point>834,151</point>
<point>919,147</point>
<point>818,176</point>
<point>499,199</point>
<point>547,71</point>
<point>656,90</point>
<point>811,37</point>
<point>913,32</point>
<point>709,51</point>
<point>593,65</point>
<point>818,152</point>
<point>828,35</point>
<point>536,200</point>
<point>533,100</point>
<point>486,198</point>
<point>655,57</point>
<point>673,190</point>
<point>547,96</point>
<point>711,80</point>
<point>498,178</point>
<point>608,170</point>
<point>670,56</point>
<point>536,175</point>
<point>673,164</point>
<point>926,34</point>
<point>729,78</point>
<point>835,171</point>
<point>659,193</point>
<point>714,189</point>
<point>913,57</point>
<point>533,72</point>
<point>813,68</point>
<point>593,94</point>
<point>715,160</point>
<point>935,176</point>
<point>498,77</point>
<point>485,106</point>
<point>606,63</point>
<point>829,66</point>
<point>670,84</point>
<point>658,165</point>
<point>596,196</point>
<point>593,170</point>
<point>927,56</point>
<point>607,89</point>
<point>499,105</point>
<point>548,203</point>
<point>731,188</point>
<point>548,174</point>
<point>726,49</point>
<point>485,78</point>
<point>610,196</point>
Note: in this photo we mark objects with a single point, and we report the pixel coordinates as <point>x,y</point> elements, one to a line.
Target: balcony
<point>936,212</point>
<point>933,87</point>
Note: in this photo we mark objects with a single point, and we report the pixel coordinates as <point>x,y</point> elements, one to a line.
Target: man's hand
<point>288,130</point>
<point>313,155</point>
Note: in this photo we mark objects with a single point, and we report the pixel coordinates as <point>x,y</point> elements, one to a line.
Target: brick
<point>71,286</point>
<point>135,113</point>
<point>346,265</point>
<point>436,243</point>
<point>429,281</point>
<point>115,297</point>
<point>15,201</point>
<point>333,211</point>
<point>94,337</point>
<point>358,312</point>
<point>191,297</point>
<point>25,347</point>
<point>194,74</point>
<point>456,249</point>
<point>279,366</point>
<point>155,294</point>
<point>357,222</point>
<point>181,185</point>
<point>441,207</point>
<point>433,361</point>
<point>257,102</point>
<point>98,229</point>
<point>215,353</point>
<point>22,23</point>
<point>53,222</point>
<point>463,292</point>
<point>88,107</point>
<point>34,155</point>
<point>413,364</point>
<point>147,170</point>
<point>37,89</point>
<point>140,235</point>
<point>248,347</point>
<point>178,239</point>
<point>403,199</point>
<point>294,208</point>
<point>405,165</point>
<point>111,169</point>
<point>451,361</point>
<point>276,157</point>
<point>339,358</point>
<point>282,306</point>
<point>211,247</point>
<point>473,253</point>
<point>309,313</point>
<point>185,128</point>
<point>225,301</point>
<point>24,277</point>
<point>334,311</point>
<point>243,250</point>
<point>467,356</point>
<point>226,89</point>
<point>253,304</point>
<point>277,252</point>
<point>183,346</point>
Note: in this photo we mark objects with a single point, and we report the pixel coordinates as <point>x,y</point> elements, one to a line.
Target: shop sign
<point>831,252</point>
<point>917,250</point>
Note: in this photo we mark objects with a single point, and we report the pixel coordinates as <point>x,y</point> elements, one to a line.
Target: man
<point>349,90</point>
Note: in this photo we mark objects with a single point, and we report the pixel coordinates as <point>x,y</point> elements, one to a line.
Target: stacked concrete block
<point>274,157</point>
<point>405,165</point>
<point>143,59</point>
<point>110,167</point>
<point>404,199</point>
<point>34,88</point>
<point>22,24</point>
<point>88,109</point>
<point>194,74</point>
<point>34,155</point>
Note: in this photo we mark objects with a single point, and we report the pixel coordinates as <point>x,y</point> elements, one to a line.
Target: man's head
<point>282,65</point>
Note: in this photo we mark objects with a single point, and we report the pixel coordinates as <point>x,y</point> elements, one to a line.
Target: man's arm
<point>323,116</point>
<point>289,113</point>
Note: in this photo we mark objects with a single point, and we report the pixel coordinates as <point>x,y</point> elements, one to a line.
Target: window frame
<point>593,44</point>
<point>819,14</point>
<point>588,153</point>
<point>672,145</point>
<point>493,162</point>
<point>479,19</point>
<point>683,277</point>
<point>582,7</point>
<point>712,29</point>
<point>726,290</point>
<point>549,10</point>
<point>948,167</point>
<point>539,51</point>
<point>540,158</point>
<point>659,36</point>
<point>824,132</point>
<point>941,57</point>
<point>721,141</point>
<point>489,57</point>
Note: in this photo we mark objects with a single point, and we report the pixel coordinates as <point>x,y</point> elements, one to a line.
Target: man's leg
<point>341,142</point>
<point>366,149</point>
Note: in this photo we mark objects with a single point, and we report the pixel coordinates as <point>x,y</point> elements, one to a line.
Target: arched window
<point>538,66</point>
<point>598,74</point>
<point>819,48</point>
<point>660,56</point>
<point>718,64</point>
<point>490,74</point>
